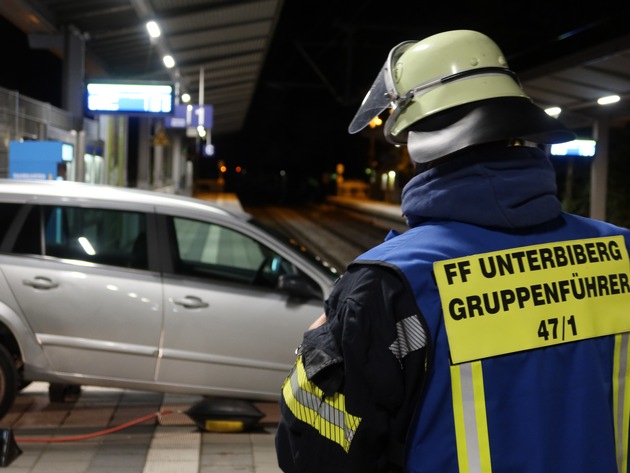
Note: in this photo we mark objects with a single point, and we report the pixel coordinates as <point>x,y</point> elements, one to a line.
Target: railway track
<point>335,235</point>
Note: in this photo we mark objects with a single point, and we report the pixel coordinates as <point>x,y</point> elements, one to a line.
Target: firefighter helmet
<point>420,80</point>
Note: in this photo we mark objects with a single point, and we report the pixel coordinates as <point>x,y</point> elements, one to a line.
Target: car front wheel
<point>8,381</point>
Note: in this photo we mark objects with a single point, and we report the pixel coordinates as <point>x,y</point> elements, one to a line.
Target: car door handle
<point>191,302</point>
<point>40,282</point>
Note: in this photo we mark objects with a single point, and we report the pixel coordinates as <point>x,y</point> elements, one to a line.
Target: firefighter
<point>492,335</point>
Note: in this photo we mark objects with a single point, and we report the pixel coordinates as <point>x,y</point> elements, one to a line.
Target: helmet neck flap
<point>486,121</point>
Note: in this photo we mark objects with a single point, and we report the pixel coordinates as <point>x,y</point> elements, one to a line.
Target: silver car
<point>140,290</point>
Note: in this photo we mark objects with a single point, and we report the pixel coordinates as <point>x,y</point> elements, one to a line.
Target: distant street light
<point>376,121</point>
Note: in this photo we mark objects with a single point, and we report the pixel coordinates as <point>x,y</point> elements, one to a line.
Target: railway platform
<point>110,430</point>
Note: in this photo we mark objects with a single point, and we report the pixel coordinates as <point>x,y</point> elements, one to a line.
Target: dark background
<point>323,58</point>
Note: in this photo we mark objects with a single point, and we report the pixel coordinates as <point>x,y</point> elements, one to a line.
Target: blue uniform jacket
<point>385,385</point>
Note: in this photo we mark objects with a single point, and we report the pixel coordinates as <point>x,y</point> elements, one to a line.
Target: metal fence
<point>22,117</point>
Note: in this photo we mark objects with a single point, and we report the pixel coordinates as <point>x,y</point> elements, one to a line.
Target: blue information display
<point>129,97</point>
<point>575,148</point>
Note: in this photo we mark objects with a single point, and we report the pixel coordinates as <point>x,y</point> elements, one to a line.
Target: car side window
<point>8,211</point>
<point>210,250</point>
<point>103,236</point>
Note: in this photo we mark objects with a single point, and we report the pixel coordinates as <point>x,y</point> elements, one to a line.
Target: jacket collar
<point>505,187</point>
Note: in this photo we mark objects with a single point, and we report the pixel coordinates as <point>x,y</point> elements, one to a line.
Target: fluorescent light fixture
<point>154,29</point>
<point>553,111</point>
<point>608,99</point>
<point>169,61</point>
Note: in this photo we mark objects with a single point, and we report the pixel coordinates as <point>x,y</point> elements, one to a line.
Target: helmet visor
<point>381,94</point>
<point>375,102</point>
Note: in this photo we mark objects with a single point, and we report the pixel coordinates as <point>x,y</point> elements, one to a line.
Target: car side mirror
<point>297,285</point>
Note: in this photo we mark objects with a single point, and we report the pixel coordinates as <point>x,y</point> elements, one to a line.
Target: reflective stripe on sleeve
<point>469,411</point>
<point>410,336</point>
<point>621,399</point>
<point>325,414</point>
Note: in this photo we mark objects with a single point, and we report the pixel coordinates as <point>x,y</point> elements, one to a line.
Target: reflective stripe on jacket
<point>346,405</point>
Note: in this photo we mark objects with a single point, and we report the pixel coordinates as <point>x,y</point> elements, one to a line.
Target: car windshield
<point>300,249</point>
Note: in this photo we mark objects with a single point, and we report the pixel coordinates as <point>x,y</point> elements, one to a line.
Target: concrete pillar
<point>73,75</point>
<point>177,173</point>
<point>189,178</point>
<point>158,160</point>
<point>144,152</point>
<point>79,161</point>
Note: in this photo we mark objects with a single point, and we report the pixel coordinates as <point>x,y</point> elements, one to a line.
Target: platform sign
<point>584,148</point>
<point>128,97</point>
<point>190,116</point>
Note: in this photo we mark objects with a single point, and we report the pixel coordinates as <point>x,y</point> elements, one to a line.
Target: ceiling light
<point>185,98</point>
<point>608,99</point>
<point>154,29</point>
<point>553,111</point>
<point>168,61</point>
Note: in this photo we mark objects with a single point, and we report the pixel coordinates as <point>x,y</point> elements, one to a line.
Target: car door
<point>228,330</point>
<point>80,276</point>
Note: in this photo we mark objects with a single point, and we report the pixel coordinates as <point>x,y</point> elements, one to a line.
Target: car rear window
<point>7,214</point>
<point>104,236</point>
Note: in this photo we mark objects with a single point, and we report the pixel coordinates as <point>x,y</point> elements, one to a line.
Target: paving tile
<point>224,469</point>
<point>171,444</point>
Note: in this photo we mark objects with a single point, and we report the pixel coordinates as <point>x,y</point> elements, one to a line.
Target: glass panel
<point>210,250</point>
<point>7,214</point>
<point>29,240</point>
<point>102,236</point>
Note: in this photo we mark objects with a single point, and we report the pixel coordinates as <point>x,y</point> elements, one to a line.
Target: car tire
<point>8,381</point>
